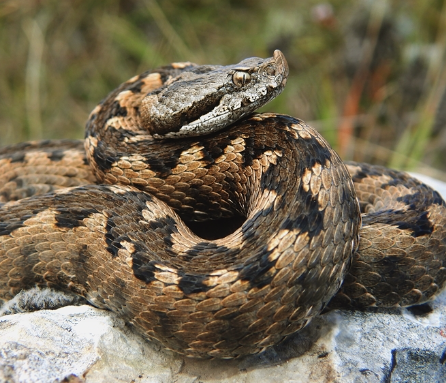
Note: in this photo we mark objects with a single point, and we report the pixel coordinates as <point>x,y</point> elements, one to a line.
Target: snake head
<point>204,99</point>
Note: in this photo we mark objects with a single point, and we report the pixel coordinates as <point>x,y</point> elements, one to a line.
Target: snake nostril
<point>216,229</point>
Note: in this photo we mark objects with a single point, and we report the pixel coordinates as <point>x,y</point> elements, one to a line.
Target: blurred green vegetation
<point>369,75</point>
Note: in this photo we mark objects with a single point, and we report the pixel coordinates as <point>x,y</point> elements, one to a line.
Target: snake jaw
<point>200,102</point>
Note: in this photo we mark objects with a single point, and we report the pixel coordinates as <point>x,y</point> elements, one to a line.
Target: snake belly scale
<point>108,223</point>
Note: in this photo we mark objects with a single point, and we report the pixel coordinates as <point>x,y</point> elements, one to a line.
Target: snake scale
<point>181,144</point>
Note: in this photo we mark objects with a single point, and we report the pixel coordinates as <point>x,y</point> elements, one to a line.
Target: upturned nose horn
<point>280,59</point>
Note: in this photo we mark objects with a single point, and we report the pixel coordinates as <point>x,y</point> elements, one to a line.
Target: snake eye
<point>240,78</point>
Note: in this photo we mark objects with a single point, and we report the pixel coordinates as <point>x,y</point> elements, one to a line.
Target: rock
<point>39,299</point>
<point>84,344</point>
<point>397,345</point>
<point>47,346</point>
<point>415,365</point>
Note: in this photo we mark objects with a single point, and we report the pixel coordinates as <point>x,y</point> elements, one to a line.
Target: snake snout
<point>282,65</point>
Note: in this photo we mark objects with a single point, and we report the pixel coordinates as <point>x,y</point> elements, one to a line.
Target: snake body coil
<point>106,224</point>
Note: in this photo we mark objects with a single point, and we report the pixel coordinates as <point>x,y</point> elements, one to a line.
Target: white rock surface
<point>46,346</point>
<point>394,346</point>
<point>96,346</point>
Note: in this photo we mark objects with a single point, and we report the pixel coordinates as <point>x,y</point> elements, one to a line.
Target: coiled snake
<point>106,224</point>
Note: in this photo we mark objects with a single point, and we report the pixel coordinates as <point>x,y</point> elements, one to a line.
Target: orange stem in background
<point>351,108</point>
<point>377,79</point>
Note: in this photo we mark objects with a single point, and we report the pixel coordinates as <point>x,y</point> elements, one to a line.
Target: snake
<point>212,230</point>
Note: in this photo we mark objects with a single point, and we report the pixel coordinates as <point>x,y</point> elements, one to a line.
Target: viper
<point>210,229</point>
